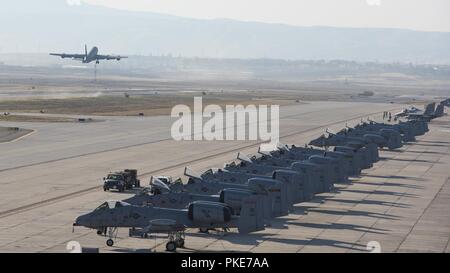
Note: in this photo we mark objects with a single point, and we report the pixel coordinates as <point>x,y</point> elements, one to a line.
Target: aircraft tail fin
<point>252,217</point>
<point>243,157</point>
<point>85,51</point>
<point>439,110</point>
<point>429,109</point>
<point>191,174</point>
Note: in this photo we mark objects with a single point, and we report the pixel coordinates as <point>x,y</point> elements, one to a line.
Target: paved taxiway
<point>53,175</point>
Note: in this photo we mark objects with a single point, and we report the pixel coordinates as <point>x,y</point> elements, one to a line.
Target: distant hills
<point>52,25</point>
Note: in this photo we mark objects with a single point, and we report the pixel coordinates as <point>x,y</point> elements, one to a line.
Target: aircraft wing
<point>64,55</point>
<point>401,114</point>
<point>110,57</point>
<point>418,113</point>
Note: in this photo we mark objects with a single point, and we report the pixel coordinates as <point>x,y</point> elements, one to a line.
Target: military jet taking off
<point>89,57</point>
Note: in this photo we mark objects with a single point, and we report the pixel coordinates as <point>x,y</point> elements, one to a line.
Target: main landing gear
<point>176,240</point>
<point>207,230</point>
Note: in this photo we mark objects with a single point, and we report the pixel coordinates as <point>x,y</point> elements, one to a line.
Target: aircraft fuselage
<point>91,56</point>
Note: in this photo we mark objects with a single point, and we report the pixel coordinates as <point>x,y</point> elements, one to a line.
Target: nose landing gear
<point>102,231</point>
<point>110,233</point>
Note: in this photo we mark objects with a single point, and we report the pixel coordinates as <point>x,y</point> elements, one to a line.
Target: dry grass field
<point>131,106</point>
<point>61,92</point>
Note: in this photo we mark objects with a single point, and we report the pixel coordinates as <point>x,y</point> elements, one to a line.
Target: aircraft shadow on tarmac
<point>192,250</point>
<point>353,212</point>
<point>385,184</point>
<point>393,151</point>
<point>379,192</point>
<point>257,239</point>
<point>370,202</point>
<point>337,226</point>
<point>407,160</point>
<point>305,209</point>
<point>442,122</point>
<point>413,160</point>
<point>151,249</point>
<point>138,250</point>
<point>428,152</point>
<point>434,142</point>
<point>408,178</point>
<point>431,145</point>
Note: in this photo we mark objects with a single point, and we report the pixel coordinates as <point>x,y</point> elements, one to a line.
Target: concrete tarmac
<point>50,177</point>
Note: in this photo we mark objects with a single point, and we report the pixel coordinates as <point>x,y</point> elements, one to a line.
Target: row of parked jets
<point>248,193</point>
<point>431,111</point>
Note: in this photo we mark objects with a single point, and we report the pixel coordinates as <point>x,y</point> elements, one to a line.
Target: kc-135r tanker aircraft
<point>89,57</point>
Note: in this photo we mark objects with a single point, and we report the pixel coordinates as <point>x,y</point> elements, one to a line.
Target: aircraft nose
<point>83,221</point>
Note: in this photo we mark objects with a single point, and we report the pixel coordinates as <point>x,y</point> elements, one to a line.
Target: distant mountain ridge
<point>52,25</point>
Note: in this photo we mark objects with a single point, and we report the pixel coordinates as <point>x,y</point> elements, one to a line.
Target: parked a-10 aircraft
<point>247,194</point>
<point>110,216</point>
<point>89,57</point>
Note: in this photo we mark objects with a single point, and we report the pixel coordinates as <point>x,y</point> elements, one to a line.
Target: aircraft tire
<point>109,242</point>
<point>180,243</point>
<point>203,230</point>
<point>171,246</point>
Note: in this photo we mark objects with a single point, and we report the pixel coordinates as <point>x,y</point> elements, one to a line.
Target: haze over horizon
<point>356,30</point>
<point>416,15</point>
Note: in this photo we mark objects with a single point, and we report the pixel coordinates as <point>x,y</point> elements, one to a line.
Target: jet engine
<point>374,138</point>
<point>209,213</point>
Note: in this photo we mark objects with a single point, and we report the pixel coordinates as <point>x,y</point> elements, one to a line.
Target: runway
<point>52,176</point>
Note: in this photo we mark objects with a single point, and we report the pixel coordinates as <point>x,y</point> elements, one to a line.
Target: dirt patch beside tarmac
<point>31,118</point>
<point>10,133</point>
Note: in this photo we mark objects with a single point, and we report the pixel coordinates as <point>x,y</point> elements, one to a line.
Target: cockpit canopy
<point>112,205</point>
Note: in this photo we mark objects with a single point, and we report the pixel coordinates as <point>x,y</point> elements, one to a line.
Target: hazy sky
<point>428,15</point>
